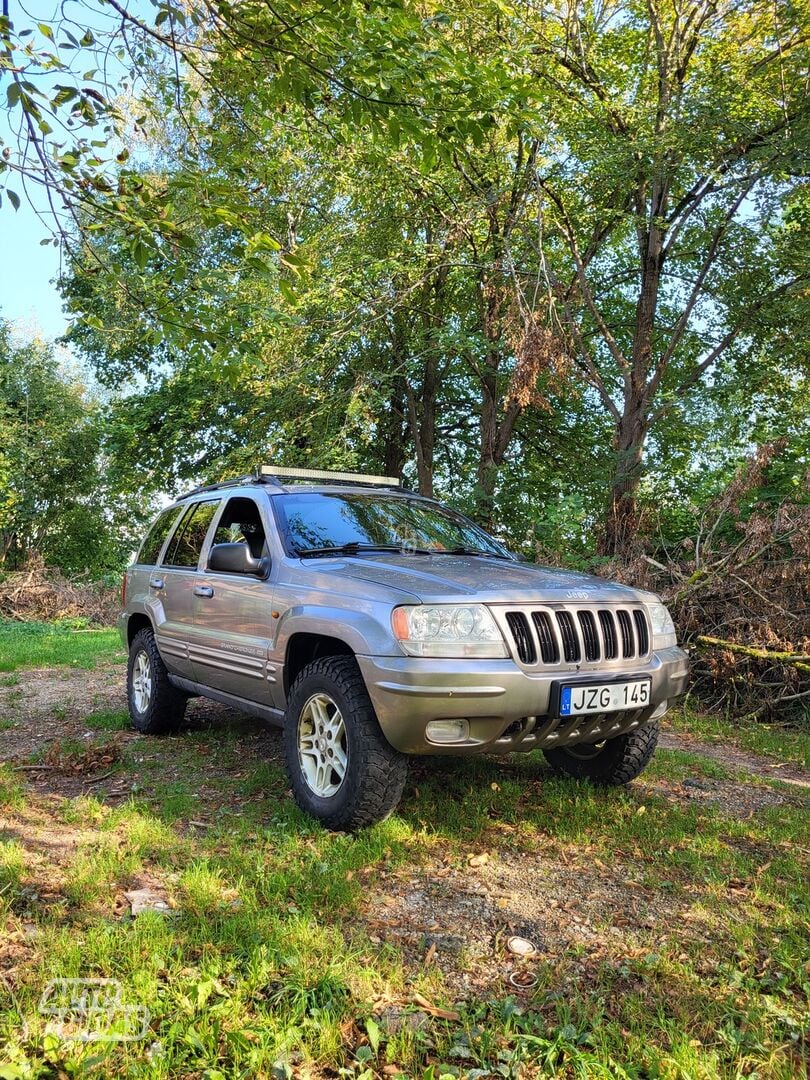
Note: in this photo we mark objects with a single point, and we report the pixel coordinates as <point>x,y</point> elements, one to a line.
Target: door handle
<point>157,583</point>
<point>203,590</point>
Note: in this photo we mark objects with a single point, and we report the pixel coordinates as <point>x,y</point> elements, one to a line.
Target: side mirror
<point>236,559</point>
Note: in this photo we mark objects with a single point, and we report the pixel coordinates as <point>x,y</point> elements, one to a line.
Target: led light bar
<point>334,477</point>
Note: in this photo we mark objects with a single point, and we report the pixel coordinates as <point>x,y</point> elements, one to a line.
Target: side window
<point>150,548</point>
<point>241,523</point>
<point>184,550</point>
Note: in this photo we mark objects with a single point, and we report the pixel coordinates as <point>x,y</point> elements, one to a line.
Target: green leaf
<point>288,292</point>
<point>12,94</point>
<point>13,198</point>
<point>373,1032</point>
<point>140,253</point>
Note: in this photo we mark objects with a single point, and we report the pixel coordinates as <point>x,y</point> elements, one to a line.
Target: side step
<point>264,712</point>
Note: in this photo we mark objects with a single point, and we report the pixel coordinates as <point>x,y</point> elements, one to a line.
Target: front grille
<point>545,635</point>
<point>519,625</point>
<point>642,637</point>
<point>575,634</point>
<point>589,636</point>
<point>626,630</point>
<point>569,637</point>
<point>608,633</point>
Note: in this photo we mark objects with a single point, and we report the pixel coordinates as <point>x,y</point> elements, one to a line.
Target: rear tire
<point>342,769</point>
<point>155,706</point>
<point>609,764</point>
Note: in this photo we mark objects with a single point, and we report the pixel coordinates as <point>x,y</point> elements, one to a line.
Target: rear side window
<point>186,545</point>
<point>150,548</point>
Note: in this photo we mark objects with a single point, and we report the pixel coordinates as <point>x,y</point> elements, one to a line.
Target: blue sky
<point>28,296</point>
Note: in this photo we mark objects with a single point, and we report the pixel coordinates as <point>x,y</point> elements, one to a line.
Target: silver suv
<point>373,623</point>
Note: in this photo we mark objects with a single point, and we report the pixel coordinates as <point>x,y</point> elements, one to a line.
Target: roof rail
<point>279,472</point>
<point>236,481</point>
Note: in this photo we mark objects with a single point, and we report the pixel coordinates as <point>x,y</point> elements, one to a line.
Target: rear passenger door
<point>172,584</point>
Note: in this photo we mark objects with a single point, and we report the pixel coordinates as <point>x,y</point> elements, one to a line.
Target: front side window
<point>186,544</point>
<point>150,548</point>
<point>316,522</point>
<point>241,523</point>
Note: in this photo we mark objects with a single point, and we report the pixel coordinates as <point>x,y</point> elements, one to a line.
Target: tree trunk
<point>622,521</point>
<point>488,458</point>
<point>393,430</point>
<point>422,421</point>
<point>621,524</point>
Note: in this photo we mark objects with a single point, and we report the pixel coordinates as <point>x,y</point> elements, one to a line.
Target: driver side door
<point>232,620</point>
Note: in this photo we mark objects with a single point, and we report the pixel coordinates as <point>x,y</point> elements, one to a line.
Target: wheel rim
<point>141,682</point>
<point>585,751</point>
<point>322,746</point>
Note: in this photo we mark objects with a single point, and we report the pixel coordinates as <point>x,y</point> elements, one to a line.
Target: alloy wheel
<point>322,745</point>
<point>141,682</point>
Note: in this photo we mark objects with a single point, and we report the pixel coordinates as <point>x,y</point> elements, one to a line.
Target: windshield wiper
<point>473,551</point>
<point>355,548</point>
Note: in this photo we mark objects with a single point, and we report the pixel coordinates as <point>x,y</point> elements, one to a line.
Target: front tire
<point>155,706</point>
<point>342,769</point>
<point>611,763</point>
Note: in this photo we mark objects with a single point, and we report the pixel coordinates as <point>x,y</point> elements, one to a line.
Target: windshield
<point>320,523</point>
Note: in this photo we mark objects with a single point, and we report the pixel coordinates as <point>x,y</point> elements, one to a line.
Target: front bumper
<point>506,708</point>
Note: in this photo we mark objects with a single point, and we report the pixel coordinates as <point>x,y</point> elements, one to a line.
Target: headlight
<point>448,630</point>
<point>663,628</point>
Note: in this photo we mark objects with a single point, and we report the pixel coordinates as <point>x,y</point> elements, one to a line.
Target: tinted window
<point>150,548</point>
<point>187,542</point>
<point>333,520</point>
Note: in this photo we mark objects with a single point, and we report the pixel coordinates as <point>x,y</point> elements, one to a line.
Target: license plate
<point>609,697</point>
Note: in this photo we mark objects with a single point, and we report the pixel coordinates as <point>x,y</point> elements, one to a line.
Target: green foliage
<point>55,493</point>
<point>516,255</point>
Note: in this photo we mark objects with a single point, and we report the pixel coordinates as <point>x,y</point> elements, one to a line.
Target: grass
<point>271,963</point>
<point>38,644</point>
<point>108,720</point>
<point>771,740</point>
<point>265,966</point>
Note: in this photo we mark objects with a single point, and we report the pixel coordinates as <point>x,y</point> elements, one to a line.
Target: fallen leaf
<point>434,1010</point>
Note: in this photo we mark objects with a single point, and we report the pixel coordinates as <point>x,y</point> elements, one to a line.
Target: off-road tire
<point>375,772</point>
<point>167,705</point>
<point>619,760</point>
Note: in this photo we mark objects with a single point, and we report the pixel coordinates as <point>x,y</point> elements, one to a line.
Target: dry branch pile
<point>41,592</point>
<point>739,592</point>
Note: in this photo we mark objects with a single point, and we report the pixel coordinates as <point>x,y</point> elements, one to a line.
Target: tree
<point>675,146</point>
<point>55,498</point>
<point>427,219</point>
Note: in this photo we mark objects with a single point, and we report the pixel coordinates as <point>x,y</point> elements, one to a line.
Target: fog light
<point>662,708</point>
<point>447,731</point>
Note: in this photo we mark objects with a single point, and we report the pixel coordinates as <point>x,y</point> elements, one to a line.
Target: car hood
<point>462,578</point>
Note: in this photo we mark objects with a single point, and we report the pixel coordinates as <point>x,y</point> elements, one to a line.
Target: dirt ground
<point>51,703</point>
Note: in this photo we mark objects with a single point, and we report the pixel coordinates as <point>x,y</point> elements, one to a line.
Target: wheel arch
<point>303,647</point>
<point>137,622</point>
